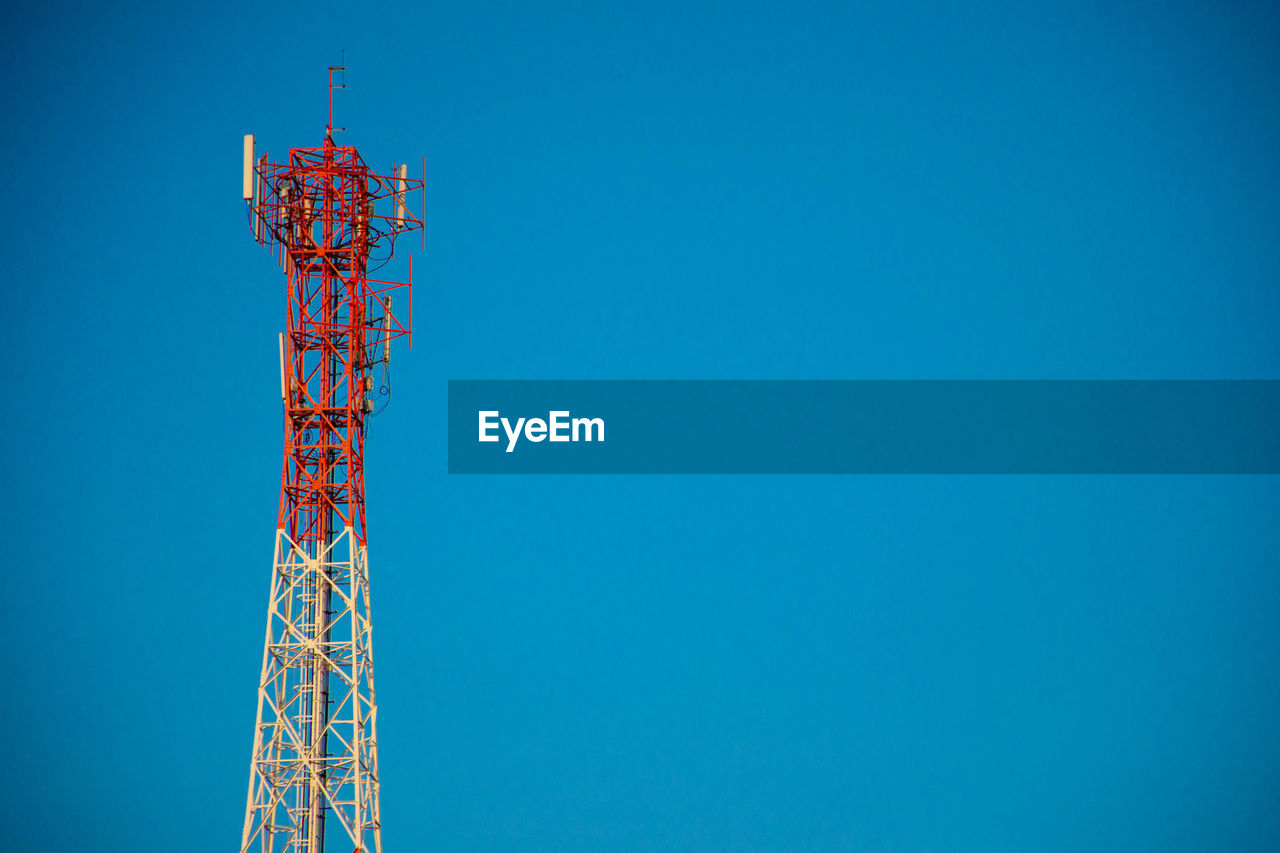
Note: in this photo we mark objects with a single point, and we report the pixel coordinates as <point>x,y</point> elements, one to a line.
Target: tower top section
<point>325,206</point>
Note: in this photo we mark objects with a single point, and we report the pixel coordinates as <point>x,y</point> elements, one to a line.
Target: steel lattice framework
<point>313,774</point>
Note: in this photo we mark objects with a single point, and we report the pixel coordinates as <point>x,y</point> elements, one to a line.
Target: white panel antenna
<point>386,334</point>
<point>400,188</point>
<point>259,221</point>
<point>284,393</point>
<point>248,167</point>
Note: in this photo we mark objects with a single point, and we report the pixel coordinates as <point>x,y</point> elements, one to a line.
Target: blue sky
<point>760,190</point>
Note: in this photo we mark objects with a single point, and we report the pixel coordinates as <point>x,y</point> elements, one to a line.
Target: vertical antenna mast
<point>313,774</point>
<point>329,128</point>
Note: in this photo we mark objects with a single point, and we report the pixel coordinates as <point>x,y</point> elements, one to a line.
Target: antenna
<point>329,130</point>
<point>248,167</point>
<point>403,175</point>
<point>284,388</point>
<point>386,333</point>
<point>260,222</point>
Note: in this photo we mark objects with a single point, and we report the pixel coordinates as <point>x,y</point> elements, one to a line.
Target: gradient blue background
<point>759,190</point>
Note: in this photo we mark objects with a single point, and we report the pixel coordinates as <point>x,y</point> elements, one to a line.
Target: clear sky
<point>751,190</point>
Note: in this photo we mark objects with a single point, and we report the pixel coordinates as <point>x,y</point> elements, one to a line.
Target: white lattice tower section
<point>297,779</point>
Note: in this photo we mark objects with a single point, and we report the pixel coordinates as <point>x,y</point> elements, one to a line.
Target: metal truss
<point>313,774</point>
<point>315,750</point>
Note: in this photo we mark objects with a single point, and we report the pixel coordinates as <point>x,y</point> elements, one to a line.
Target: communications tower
<point>332,223</point>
